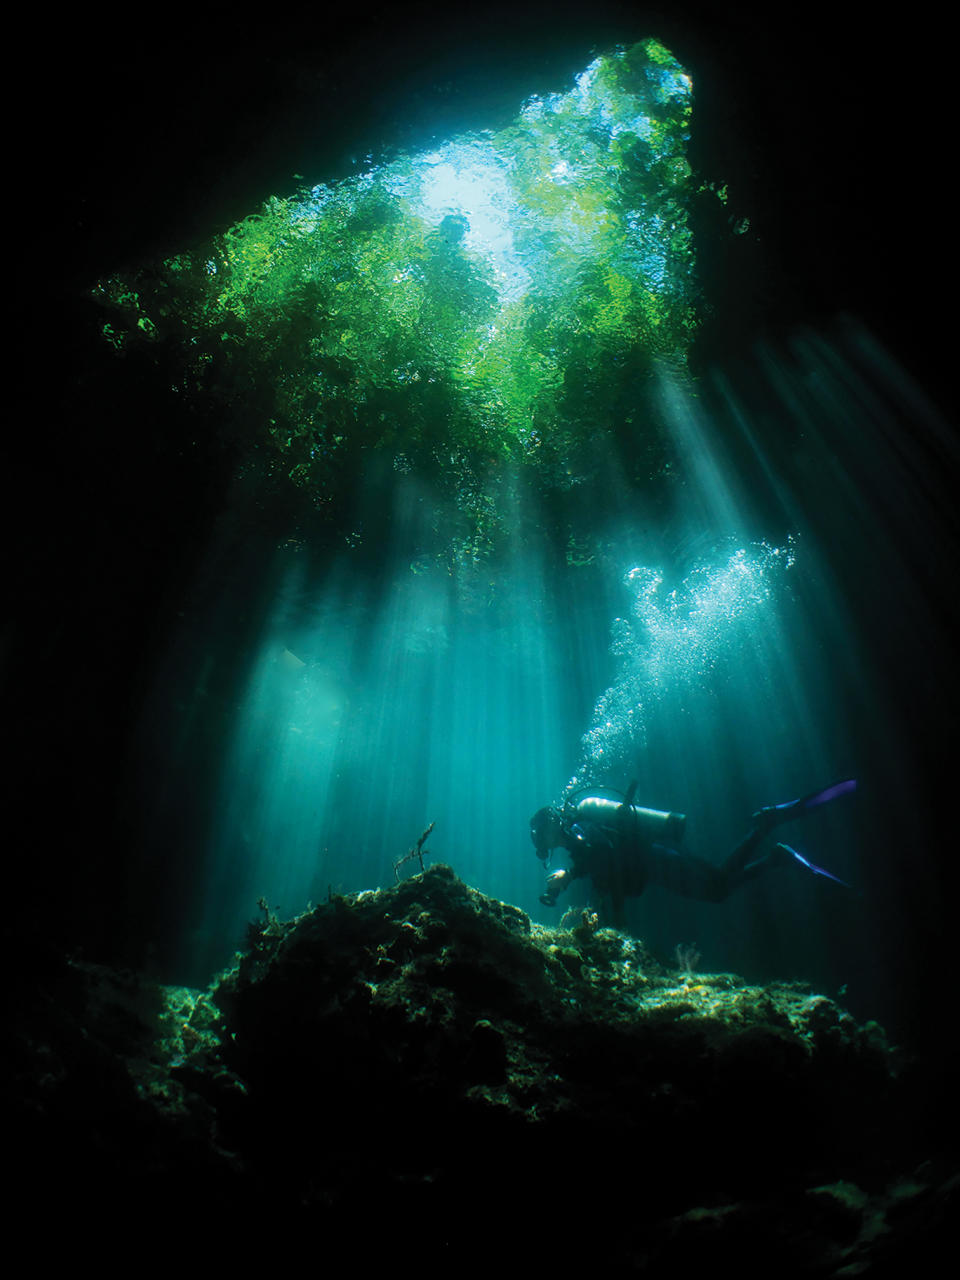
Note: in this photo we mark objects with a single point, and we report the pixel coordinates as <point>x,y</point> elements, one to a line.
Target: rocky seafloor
<point>423,1073</point>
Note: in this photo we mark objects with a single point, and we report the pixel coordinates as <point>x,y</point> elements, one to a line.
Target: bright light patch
<point>507,291</point>
<point>470,181</point>
<point>671,641</point>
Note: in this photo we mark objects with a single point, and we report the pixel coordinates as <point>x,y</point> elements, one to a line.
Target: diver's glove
<point>556,883</point>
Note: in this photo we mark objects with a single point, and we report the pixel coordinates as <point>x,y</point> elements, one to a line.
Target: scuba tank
<point>657,826</point>
<point>596,818</point>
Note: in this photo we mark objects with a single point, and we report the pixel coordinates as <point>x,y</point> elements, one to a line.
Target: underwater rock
<point>426,1058</point>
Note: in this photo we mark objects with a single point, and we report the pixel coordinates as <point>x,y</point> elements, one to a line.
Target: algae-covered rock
<point>426,1054</point>
<point>428,1044</point>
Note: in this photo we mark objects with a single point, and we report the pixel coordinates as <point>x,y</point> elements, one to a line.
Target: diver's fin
<point>805,862</point>
<point>774,814</point>
<point>827,794</point>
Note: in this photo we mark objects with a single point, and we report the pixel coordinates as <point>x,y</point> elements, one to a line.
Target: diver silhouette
<point>623,848</point>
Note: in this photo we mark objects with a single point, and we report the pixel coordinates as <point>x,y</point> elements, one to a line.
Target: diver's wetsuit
<point>623,848</point>
<point>613,845</point>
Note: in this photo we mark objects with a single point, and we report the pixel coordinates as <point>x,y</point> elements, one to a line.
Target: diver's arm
<point>557,882</point>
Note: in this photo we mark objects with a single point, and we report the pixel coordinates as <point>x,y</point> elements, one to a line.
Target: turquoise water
<point>336,713</point>
<point>566,555</point>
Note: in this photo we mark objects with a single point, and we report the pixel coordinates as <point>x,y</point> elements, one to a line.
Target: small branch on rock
<point>416,852</point>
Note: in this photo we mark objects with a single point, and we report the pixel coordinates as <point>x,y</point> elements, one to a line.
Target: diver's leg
<point>743,863</point>
<point>744,854</point>
<point>686,874</point>
<point>746,862</point>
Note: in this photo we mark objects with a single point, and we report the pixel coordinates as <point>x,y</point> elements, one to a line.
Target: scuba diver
<point>623,847</point>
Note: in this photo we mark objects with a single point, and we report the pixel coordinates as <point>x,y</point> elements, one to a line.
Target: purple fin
<point>773,815</point>
<point>817,871</point>
<point>830,793</point>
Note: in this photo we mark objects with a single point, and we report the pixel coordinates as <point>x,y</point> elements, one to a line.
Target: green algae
<point>490,309</point>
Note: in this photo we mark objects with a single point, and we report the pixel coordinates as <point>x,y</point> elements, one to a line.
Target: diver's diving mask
<point>544,828</point>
